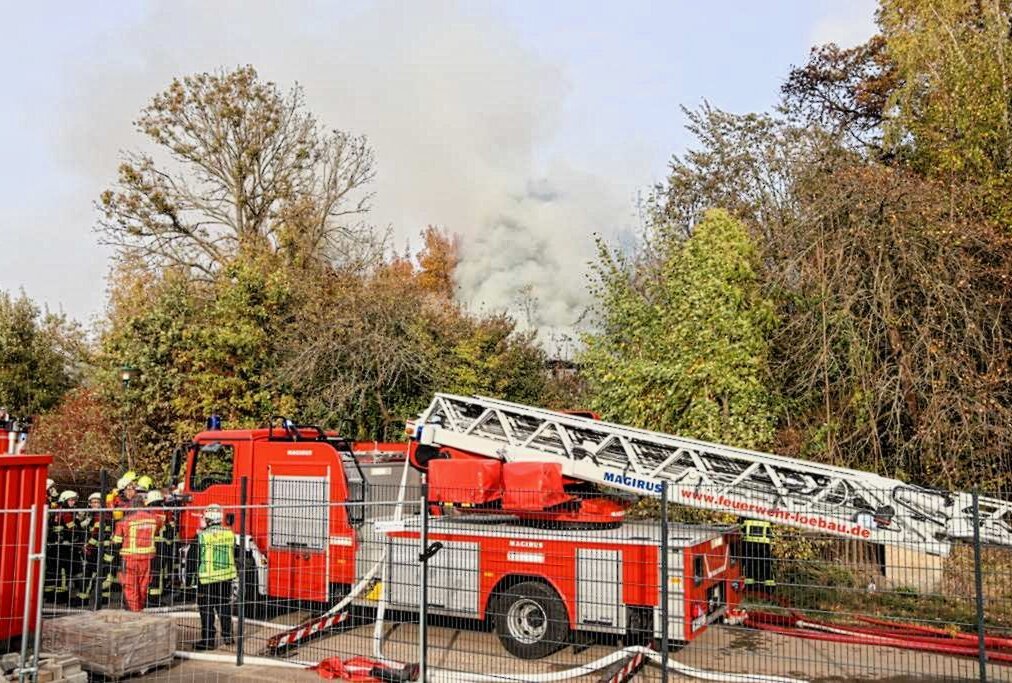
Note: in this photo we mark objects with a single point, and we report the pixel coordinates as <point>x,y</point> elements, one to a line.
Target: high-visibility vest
<point>136,533</point>
<point>217,555</point>
<point>756,531</point>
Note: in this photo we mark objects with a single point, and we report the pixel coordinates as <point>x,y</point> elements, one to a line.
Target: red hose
<point>922,639</point>
<point>934,647</point>
<point>881,627</point>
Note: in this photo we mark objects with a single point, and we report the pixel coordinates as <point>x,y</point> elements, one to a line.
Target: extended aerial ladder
<point>781,490</point>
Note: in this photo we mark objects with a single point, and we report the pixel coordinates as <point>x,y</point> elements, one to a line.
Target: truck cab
<point>307,495</point>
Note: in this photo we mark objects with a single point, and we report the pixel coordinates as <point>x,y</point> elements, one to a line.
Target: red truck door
<point>298,523</point>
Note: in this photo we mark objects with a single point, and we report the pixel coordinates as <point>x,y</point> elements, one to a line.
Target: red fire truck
<point>528,508</point>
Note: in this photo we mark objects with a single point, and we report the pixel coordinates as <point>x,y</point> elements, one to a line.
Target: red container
<point>532,486</point>
<point>22,484</point>
<point>468,482</point>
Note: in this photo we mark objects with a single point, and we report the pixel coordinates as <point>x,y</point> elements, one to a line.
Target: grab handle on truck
<point>429,552</point>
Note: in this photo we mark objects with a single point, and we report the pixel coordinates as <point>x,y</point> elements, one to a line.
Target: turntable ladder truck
<point>561,562</point>
<point>528,508</point>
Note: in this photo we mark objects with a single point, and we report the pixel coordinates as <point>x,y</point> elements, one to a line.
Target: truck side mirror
<point>178,460</point>
<point>174,466</point>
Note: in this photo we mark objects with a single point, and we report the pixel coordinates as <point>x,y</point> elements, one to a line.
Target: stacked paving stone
<point>113,643</point>
<point>52,668</point>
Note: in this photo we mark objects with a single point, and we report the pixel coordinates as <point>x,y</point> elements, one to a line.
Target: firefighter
<point>134,536</point>
<point>161,563</point>
<point>97,551</point>
<point>144,484</point>
<point>215,573</point>
<point>68,544</point>
<point>53,532</point>
<point>757,556</point>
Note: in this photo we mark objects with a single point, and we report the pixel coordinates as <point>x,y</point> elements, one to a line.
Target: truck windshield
<point>212,464</point>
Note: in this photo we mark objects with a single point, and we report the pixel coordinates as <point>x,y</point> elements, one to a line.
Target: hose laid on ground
<point>900,643</point>
<point>254,622</point>
<point>989,640</point>
<point>448,676</point>
<point>169,609</point>
<point>230,659</point>
<point>381,607</point>
<point>814,630</point>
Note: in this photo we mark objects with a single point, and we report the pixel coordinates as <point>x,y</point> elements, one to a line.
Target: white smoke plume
<point>461,115</point>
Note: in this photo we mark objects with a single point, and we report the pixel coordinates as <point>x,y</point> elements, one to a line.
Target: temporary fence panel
<point>471,594</point>
<point>22,487</point>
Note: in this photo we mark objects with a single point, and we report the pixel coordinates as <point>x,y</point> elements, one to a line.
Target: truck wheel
<point>531,620</point>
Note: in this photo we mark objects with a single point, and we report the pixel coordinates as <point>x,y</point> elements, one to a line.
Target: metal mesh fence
<point>401,583</point>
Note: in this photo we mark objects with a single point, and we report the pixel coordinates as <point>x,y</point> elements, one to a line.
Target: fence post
<point>978,580</point>
<point>665,582</point>
<point>96,598</point>
<point>26,617</point>
<point>241,601</point>
<point>423,607</point>
<point>40,565</point>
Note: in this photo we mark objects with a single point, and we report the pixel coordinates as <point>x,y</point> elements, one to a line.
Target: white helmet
<point>50,484</point>
<point>67,495</point>
<point>212,514</point>
<point>95,496</point>
<point>154,497</point>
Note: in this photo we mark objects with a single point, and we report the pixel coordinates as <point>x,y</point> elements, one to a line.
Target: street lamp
<point>127,373</point>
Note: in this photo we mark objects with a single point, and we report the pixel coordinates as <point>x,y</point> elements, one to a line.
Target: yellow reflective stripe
<point>117,539</point>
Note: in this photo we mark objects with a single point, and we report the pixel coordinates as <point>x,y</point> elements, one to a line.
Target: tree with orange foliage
<point>437,261</point>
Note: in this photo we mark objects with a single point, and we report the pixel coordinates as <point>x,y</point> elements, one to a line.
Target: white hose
<point>381,608</point>
<point>230,659</point>
<point>448,676</point>
<point>380,563</point>
<point>840,632</point>
<point>254,622</point>
<point>173,608</point>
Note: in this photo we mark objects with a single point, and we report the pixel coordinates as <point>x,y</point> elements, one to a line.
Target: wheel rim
<point>527,621</point>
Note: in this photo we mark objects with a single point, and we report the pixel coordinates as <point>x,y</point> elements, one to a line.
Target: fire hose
<point>989,641</point>
<point>901,638</point>
<point>447,676</point>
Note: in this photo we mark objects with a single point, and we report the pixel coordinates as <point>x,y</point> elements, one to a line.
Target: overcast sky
<point>525,127</point>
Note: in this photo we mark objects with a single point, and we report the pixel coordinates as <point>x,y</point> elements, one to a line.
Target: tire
<point>531,620</point>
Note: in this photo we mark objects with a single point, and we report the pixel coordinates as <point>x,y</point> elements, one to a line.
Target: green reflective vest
<point>217,555</point>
